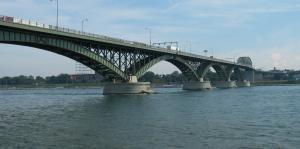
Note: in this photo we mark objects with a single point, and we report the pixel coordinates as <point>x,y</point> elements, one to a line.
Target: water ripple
<point>259,117</point>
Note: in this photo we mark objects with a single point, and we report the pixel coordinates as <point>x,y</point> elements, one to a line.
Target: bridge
<point>121,61</point>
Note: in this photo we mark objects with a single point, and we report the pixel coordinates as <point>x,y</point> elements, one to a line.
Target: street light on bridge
<point>190,46</point>
<point>150,34</point>
<point>56,12</point>
<point>205,51</point>
<point>82,22</point>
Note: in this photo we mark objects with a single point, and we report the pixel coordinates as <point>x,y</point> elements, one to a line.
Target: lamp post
<point>212,53</point>
<point>56,12</point>
<point>190,46</point>
<point>82,23</point>
<point>205,51</point>
<point>150,34</point>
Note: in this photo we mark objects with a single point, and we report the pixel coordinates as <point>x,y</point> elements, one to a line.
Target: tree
<point>148,77</point>
<point>39,80</point>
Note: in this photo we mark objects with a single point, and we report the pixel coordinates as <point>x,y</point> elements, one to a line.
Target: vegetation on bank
<point>276,82</point>
<point>68,81</point>
<point>62,80</point>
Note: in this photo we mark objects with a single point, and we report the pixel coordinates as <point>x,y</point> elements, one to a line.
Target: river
<point>256,117</point>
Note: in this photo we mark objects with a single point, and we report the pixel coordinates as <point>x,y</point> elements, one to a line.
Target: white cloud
<point>276,59</point>
<point>281,57</point>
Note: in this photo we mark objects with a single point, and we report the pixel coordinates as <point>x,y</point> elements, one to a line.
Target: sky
<point>266,30</point>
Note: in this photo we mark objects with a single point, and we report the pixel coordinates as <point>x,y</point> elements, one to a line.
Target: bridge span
<point>121,61</point>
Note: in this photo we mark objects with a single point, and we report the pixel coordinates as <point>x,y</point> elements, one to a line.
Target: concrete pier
<point>127,88</point>
<point>197,85</point>
<point>131,87</point>
<point>244,83</point>
<point>226,84</point>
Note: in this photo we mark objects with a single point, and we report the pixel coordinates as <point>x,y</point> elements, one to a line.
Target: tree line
<point>31,80</point>
<point>175,77</point>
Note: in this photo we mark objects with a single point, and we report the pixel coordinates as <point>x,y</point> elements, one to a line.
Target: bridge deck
<point>70,33</point>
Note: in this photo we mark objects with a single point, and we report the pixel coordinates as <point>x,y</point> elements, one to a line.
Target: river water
<point>257,117</point>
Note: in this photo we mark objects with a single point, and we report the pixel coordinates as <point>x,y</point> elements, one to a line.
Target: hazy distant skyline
<point>267,31</point>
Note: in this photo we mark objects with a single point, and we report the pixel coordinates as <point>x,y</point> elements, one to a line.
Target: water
<point>258,117</point>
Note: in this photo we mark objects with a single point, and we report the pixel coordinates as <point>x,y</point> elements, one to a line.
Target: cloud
<point>281,57</point>
<point>276,59</point>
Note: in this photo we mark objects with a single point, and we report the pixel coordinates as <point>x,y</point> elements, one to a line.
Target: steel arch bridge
<point>115,59</point>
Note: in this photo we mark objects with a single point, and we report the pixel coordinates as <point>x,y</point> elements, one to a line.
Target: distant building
<point>276,74</point>
<point>294,75</point>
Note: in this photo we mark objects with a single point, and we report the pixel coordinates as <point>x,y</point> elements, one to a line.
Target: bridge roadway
<point>121,61</point>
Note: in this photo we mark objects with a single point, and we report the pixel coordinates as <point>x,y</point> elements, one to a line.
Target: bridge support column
<point>244,83</point>
<point>226,84</point>
<point>131,87</point>
<point>197,85</point>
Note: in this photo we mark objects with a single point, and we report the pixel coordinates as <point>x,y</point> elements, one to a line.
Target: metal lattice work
<point>180,63</point>
<point>81,69</point>
<point>245,61</point>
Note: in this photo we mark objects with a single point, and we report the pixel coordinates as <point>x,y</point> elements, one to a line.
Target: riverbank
<point>80,85</point>
<point>69,85</point>
<point>153,85</point>
<point>276,83</point>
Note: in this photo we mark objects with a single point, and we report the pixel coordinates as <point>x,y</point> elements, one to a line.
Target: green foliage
<point>30,80</point>
<point>60,79</point>
<point>39,79</point>
<point>212,76</point>
<point>22,80</point>
<point>174,77</point>
<point>51,80</point>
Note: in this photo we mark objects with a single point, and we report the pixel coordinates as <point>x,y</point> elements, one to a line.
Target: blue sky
<point>267,31</point>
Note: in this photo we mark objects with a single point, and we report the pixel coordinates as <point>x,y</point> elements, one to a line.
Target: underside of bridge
<point>119,63</point>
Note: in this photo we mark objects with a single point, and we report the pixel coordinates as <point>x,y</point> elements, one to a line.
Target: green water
<point>258,117</point>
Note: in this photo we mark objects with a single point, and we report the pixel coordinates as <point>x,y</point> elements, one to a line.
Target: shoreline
<point>100,85</point>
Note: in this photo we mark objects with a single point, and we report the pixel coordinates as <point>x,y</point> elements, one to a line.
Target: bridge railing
<point>68,30</point>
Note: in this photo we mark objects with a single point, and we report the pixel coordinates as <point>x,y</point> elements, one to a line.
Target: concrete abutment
<point>135,87</point>
<point>197,85</point>
<point>131,87</point>
<point>127,88</point>
<point>232,84</point>
<point>244,83</point>
<point>226,84</point>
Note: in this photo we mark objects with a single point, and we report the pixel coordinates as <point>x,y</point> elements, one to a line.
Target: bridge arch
<point>65,48</point>
<point>180,63</point>
<point>221,71</point>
